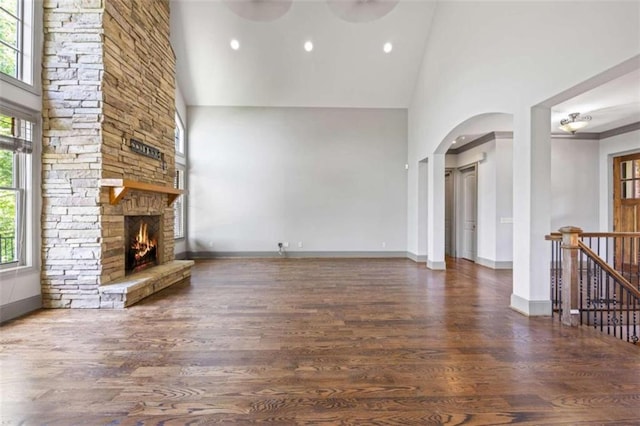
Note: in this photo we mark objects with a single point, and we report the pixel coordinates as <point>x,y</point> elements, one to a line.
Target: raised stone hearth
<point>135,287</point>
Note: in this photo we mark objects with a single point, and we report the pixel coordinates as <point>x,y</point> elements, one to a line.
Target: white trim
<point>20,307</point>
<point>530,308</point>
<point>31,52</point>
<point>180,156</point>
<point>418,258</point>
<point>494,264</point>
<point>436,266</point>
<point>296,254</point>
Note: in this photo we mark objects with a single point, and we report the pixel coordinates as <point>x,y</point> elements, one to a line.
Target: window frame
<point>25,175</point>
<point>180,147</point>
<point>19,207</point>
<point>180,165</point>
<point>28,39</point>
<point>179,203</point>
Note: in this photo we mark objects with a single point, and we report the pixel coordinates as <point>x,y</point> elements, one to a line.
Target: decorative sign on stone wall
<point>147,150</point>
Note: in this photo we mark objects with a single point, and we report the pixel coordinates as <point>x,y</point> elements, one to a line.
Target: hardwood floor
<point>322,342</point>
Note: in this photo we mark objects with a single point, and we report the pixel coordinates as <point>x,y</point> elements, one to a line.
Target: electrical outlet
<point>299,244</point>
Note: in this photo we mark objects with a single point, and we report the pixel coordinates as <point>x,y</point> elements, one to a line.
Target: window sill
<point>31,88</point>
<point>18,270</point>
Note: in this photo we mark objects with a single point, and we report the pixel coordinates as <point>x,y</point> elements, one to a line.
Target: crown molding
<point>581,135</point>
<point>488,137</point>
<point>620,130</point>
<point>480,141</point>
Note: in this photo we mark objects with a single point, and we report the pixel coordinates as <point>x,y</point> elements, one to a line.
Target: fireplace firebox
<point>141,242</point>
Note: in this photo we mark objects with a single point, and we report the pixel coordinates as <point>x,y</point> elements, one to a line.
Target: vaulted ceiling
<point>346,68</point>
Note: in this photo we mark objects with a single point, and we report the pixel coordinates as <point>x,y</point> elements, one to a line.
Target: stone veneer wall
<point>139,103</point>
<point>108,75</point>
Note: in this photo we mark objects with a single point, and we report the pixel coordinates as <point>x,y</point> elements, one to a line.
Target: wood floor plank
<point>318,342</point>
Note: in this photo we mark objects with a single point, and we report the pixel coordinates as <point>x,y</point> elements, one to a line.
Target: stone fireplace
<point>108,85</point>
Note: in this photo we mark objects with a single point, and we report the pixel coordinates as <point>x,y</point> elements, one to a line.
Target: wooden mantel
<point>120,187</point>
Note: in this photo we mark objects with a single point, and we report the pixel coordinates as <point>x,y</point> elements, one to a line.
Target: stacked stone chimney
<point>108,76</point>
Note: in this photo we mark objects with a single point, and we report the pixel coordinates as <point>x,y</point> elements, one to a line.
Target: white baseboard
<point>530,308</point>
<point>20,307</point>
<point>436,266</point>
<point>494,264</point>
<point>296,254</point>
<point>417,258</point>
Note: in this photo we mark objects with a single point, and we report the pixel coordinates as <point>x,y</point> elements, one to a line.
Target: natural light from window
<point>16,35</point>
<point>15,152</point>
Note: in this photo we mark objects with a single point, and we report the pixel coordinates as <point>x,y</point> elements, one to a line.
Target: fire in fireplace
<point>141,239</point>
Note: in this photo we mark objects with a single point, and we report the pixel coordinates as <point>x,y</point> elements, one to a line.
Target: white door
<point>469,210</point>
<point>448,212</point>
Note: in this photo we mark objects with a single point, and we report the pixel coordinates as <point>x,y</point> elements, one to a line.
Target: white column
<point>422,211</point>
<point>435,212</point>
<point>531,210</point>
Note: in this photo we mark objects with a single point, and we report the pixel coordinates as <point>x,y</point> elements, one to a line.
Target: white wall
<point>479,70</point>
<point>331,178</point>
<point>625,143</point>
<point>422,210</point>
<point>574,184</point>
<point>504,201</point>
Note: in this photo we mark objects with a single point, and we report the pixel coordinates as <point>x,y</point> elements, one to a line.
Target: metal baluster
<point>580,282</point>
<point>636,328</point>
<point>614,314</point>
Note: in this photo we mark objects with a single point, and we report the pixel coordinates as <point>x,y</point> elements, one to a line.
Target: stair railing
<point>595,280</point>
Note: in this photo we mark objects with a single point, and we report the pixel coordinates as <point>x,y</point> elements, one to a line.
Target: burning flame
<point>141,242</point>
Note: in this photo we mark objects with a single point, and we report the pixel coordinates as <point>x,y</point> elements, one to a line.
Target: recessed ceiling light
<point>388,47</point>
<point>235,44</point>
<point>308,46</point>
<point>453,141</point>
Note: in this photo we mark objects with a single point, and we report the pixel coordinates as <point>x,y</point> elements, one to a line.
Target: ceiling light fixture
<point>388,47</point>
<point>235,44</point>
<point>574,122</point>
<point>308,46</point>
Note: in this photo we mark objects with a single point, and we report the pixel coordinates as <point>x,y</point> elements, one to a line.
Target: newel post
<point>570,279</point>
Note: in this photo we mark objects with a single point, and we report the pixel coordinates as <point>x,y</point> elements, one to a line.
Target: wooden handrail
<point>120,187</point>
<point>604,265</point>
<point>611,234</point>
<point>558,235</point>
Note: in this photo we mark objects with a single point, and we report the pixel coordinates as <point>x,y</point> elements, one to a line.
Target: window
<point>16,39</point>
<point>630,179</point>
<point>15,160</point>
<point>179,135</point>
<point>178,205</point>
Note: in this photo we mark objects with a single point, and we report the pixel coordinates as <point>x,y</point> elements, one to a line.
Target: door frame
<point>624,259</point>
<point>617,200</point>
<point>458,216</point>
<point>450,195</point>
